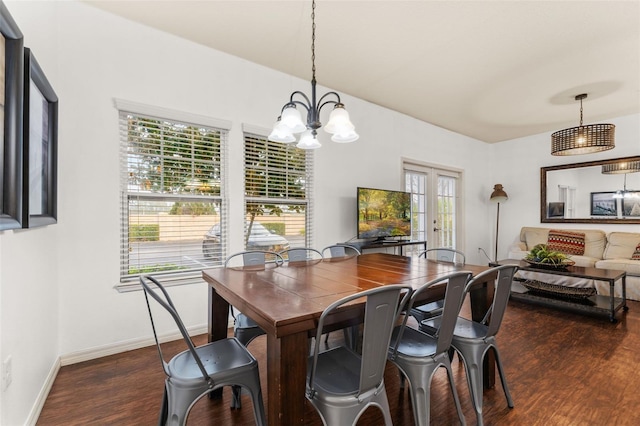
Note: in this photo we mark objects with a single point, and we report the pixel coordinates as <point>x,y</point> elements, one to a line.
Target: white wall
<point>56,283</point>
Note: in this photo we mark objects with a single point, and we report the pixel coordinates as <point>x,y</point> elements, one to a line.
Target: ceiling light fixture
<point>290,121</point>
<point>625,193</point>
<point>621,167</point>
<point>583,139</point>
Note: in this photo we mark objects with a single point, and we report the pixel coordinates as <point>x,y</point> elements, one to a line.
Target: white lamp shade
<point>308,141</point>
<point>293,120</point>
<point>281,133</point>
<point>338,121</point>
<point>345,136</point>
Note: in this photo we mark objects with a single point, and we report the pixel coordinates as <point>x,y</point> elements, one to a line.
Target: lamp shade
<point>281,133</point>
<point>583,139</point>
<point>293,120</point>
<point>621,167</point>
<point>308,141</point>
<point>498,195</point>
<point>338,120</point>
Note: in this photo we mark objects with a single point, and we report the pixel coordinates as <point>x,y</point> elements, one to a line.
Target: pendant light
<point>290,120</point>
<point>583,139</point>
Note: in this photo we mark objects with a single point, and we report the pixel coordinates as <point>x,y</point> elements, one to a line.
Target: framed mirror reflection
<point>606,191</point>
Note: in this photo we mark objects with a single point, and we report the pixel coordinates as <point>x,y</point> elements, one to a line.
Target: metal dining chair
<point>301,254</point>
<point>335,251</point>
<point>200,370</point>
<point>418,354</point>
<point>472,340</point>
<point>244,328</point>
<point>342,384</point>
<point>441,254</point>
<point>340,250</point>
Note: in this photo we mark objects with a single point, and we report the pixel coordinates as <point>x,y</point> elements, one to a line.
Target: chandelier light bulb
<point>293,120</point>
<point>349,135</point>
<point>308,141</point>
<point>281,133</point>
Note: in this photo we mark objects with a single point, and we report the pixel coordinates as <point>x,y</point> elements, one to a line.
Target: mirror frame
<point>543,193</point>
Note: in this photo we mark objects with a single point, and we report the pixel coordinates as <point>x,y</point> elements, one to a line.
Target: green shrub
<point>145,232</point>
<point>154,268</point>
<point>275,227</point>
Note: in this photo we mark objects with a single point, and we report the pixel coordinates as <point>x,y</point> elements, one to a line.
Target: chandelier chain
<point>580,112</point>
<point>313,40</point>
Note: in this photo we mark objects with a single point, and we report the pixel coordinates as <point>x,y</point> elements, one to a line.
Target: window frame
<point>129,282</point>
<point>256,133</point>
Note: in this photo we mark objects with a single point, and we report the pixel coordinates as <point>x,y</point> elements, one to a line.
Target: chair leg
<point>503,378</point>
<point>420,391</point>
<point>473,368</point>
<point>236,392</point>
<point>164,409</point>
<point>454,392</point>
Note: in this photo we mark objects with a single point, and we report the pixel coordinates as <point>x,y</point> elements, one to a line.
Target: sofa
<point>586,247</point>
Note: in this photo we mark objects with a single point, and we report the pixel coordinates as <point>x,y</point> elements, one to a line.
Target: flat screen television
<point>383,214</point>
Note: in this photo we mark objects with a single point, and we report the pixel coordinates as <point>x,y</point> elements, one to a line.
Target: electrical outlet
<point>7,375</point>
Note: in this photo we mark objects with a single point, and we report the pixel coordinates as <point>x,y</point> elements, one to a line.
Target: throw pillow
<point>567,242</point>
<point>636,254</point>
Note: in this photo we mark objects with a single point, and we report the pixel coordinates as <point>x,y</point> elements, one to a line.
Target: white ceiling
<point>492,70</point>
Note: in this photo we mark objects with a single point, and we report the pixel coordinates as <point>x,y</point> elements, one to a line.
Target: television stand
<point>363,245</point>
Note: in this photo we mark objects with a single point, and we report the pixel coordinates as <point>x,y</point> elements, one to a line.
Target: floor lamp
<point>498,196</point>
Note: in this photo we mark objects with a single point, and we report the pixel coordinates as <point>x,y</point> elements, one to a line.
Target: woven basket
<point>558,290</point>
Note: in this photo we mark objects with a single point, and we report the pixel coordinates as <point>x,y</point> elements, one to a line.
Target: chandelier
<point>623,167</point>
<point>583,139</point>
<point>290,120</point>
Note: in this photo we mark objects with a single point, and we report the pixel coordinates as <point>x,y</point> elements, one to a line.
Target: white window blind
<point>172,197</point>
<point>278,195</point>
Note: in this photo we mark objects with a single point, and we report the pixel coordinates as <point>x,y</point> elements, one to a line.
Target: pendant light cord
<point>313,40</point>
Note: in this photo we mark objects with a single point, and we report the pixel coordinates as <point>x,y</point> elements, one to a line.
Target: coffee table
<point>596,304</point>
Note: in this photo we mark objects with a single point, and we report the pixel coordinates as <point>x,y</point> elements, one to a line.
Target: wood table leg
<point>218,318</point>
<point>481,298</point>
<point>286,378</point>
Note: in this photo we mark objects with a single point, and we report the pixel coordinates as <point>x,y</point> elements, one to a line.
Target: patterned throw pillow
<point>636,254</point>
<point>567,242</point>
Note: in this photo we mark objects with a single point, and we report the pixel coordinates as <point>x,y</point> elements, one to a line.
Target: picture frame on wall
<point>11,96</point>
<point>40,146</point>
<point>556,209</point>
<point>603,204</point>
<point>631,205</point>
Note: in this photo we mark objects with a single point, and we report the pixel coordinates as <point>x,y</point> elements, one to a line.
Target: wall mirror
<point>606,191</point>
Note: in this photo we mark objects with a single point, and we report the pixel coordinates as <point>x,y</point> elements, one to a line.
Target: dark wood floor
<point>562,369</point>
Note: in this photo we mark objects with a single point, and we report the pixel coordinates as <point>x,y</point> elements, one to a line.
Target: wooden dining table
<point>286,302</point>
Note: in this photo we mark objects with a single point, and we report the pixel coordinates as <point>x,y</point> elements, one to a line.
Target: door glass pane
<point>446,212</point>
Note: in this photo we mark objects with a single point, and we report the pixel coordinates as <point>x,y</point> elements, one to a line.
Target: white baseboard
<point>43,394</point>
<point>128,345</point>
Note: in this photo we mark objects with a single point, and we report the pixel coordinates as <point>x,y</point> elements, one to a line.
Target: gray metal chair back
<point>472,340</point>
<point>444,254</point>
<point>301,254</point>
<point>244,328</point>
<point>342,384</point>
<point>441,254</point>
<point>340,250</point>
<point>255,257</point>
<point>199,370</point>
<point>418,355</point>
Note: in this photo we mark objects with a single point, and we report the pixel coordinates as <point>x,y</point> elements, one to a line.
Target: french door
<point>435,197</point>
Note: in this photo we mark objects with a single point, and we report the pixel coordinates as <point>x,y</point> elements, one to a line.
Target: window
<point>277,194</point>
<point>172,194</point>
<point>435,204</point>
